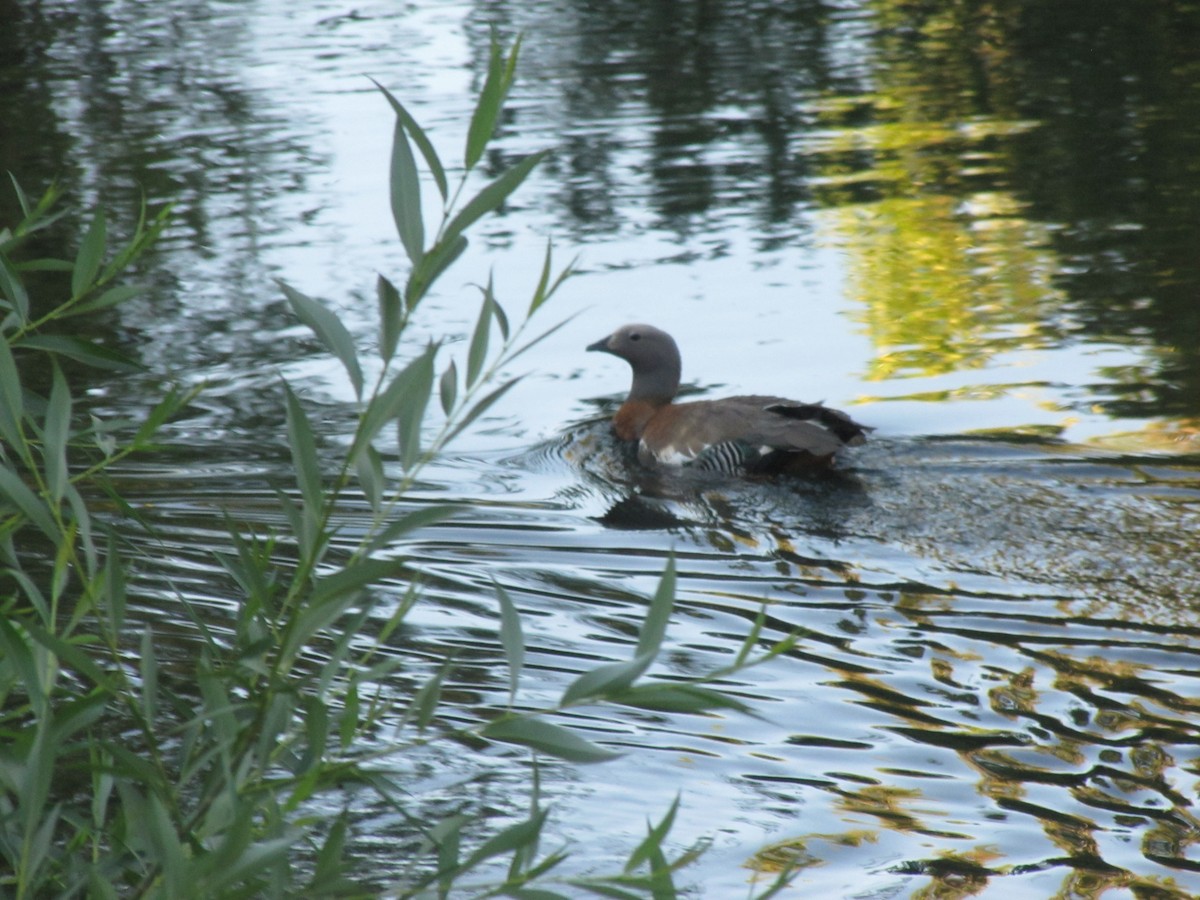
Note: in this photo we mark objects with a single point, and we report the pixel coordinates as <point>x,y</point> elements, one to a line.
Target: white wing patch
<point>669,455</point>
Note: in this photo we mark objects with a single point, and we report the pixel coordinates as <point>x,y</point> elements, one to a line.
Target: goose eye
<point>635,337</point>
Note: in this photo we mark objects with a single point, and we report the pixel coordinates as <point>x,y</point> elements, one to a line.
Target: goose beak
<point>600,345</point>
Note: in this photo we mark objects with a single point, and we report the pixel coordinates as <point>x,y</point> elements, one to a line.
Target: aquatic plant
<point>127,773</point>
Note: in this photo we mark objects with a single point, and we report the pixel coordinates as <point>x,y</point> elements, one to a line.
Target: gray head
<point>654,357</point>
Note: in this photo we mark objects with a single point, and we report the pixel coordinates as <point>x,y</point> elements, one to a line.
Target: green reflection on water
<point>1018,178</point>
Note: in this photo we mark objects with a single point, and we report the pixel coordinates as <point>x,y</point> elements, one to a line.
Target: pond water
<point>976,226</point>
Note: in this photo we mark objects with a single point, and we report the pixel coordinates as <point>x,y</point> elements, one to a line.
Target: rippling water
<point>999,670</point>
<point>977,234</point>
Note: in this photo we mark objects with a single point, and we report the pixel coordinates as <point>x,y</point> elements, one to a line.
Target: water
<point>975,229</point>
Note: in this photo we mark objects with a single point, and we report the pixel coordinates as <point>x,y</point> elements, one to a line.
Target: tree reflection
<point>1003,175</point>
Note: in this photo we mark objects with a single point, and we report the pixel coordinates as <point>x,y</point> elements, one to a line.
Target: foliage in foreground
<point>121,775</point>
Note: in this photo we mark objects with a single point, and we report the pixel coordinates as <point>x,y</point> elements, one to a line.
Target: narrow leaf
<point>751,640</point>
<point>439,258</point>
<point>651,845</point>
<point>480,408</point>
<point>348,581</point>
<point>477,353</point>
<point>329,330</point>
<point>56,431</point>
<point>512,639</point>
<point>405,186</point>
<point>369,467</point>
<point>425,702</point>
<point>548,738</point>
<point>22,197</point>
<point>89,257</point>
<point>500,315</point>
<point>448,387</point>
<point>421,140</point>
<point>545,289</point>
<point>654,626</point>
<point>149,667</point>
<point>487,108</point>
<point>12,289</point>
<point>493,195</point>
<point>87,352</point>
<point>412,412</point>
<point>514,837</point>
<point>20,659</point>
<point>112,297</point>
<point>423,517</point>
<point>28,504</point>
<point>391,318</point>
<point>304,453</point>
<point>388,404</point>
<point>12,405</point>
<point>681,698</point>
<point>607,679</point>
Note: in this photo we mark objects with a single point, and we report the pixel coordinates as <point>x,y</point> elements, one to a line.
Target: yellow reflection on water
<point>943,283</point>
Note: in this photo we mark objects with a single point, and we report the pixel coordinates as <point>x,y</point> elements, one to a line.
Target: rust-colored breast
<point>630,420</point>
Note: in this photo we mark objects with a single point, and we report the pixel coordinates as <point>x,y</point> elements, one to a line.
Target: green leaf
<point>330,859</point>
<point>439,258</point>
<point>654,626</point>
<point>421,140</point>
<point>329,331</point>
<point>19,656</point>
<point>419,518</point>
<point>403,392</point>
<point>348,719</point>
<point>149,671</point>
<point>12,289</point>
<point>477,353</point>
<point>81,660</point>
<point>411,414</point>
<point>425,701</point>
<point>87,352</point>
<point>44,265</point>
<point>28,504</point>
<point>491,101</point>
<point>89,257</point>
<point>679,698</point>
<point>499,314</point>
<point>348,581</point>
<point>487,108</point>
<point>480,408</point>
<point>22,197</point>
<point>369,467</point>
<point>548,738</point>
<point>607,679</point>
<point>448,387</point>
<point>493,195</point>
<point>391,318</point>
<point>405,183</point>
<point>651,846</point>
<point>55,433</point>
<point>12,406</point>
<point>512,838</point>
<point>304,453</point>
<point>512,639</point>
<point>174,400</point>
<point>545,290</point>
<point>112,297</point>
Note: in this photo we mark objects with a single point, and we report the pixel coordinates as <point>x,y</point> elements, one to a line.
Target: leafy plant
<point>121,775</point>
